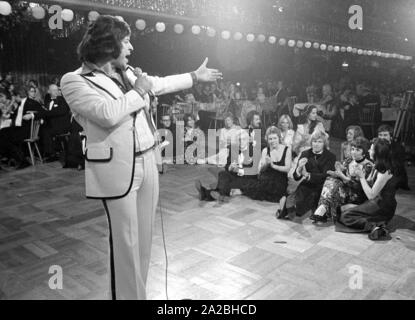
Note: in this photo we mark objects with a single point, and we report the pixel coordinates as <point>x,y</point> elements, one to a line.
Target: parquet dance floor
<point>235,250</point>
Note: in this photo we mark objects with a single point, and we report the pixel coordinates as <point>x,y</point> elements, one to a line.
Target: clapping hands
<point>302,162</point>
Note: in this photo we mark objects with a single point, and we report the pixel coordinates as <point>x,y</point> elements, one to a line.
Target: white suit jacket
<point>107,117</point>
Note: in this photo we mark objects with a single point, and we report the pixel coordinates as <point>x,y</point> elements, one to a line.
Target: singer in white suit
<point>110,100</point>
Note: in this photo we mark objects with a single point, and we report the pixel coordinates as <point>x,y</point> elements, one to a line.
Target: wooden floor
<point>237,250</point>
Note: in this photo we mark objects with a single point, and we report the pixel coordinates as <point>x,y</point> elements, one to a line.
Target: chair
<point>34,137</point>
<point>367,116</point>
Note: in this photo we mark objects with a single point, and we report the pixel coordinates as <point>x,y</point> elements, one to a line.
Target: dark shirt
<point>317,165</point>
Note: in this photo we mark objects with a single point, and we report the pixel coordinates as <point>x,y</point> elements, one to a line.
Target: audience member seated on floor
<point>352,132</point>
<point>227,136</point>
<point>239,172</point>
<point>166,126</point>
<point>57,121</point>
<point>343,186</point>
<point>308,124</point>
<point>398,155</point>
<point>275,163</point>
<point>191,134</point>
<point>287,133</point>
<point>311,170</point>
<point>12,138</point>
<point>380,187</point>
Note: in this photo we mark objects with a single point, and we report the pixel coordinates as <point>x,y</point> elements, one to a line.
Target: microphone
<point>150,92</point>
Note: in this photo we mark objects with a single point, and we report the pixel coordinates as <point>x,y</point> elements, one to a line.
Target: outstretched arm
<point>163,85</point>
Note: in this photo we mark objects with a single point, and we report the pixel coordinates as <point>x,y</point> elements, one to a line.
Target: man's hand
<point>143,83</point>
<point>28,116</point>
<point>205,74</point>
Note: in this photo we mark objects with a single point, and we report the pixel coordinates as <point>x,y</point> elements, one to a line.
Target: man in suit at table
<point>57,121</point>
<point>110,100</point>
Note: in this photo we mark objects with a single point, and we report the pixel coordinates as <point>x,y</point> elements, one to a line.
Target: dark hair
<point>34,82</point>
<point>102,40</point>
<point>21,92</point>
<point>30,88</point>
<point>250,116</point>
<point>361,143</point>
<point>229,115</point>
<point>304,118</point>
<point>383,156</point>
<point>187,117</point>
<point>385,128</point>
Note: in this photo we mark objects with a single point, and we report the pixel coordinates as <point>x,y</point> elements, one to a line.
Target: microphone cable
<point>165,248</point>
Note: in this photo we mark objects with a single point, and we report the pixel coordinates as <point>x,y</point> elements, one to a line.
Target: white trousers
<point>131,220</point>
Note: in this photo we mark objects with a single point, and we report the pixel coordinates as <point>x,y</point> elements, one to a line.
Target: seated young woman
<point>311,170</point>
<point>191,134</point>
<point>275,163</point>
<point>308,124</point>
<point>286,126</point>
<point>380,187</point>
<point>343,186</point>
<point>227,136</point>
<point>352,132</point>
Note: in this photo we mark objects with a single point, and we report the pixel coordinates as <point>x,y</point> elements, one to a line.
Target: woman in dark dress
<point>380,188</point>
<point>273,168</point>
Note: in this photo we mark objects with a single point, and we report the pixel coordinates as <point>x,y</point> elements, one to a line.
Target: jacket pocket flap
<point>98,154</point>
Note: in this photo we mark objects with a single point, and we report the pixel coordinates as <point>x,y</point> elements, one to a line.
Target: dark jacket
<point>317,166</point>
<point>59,117</point>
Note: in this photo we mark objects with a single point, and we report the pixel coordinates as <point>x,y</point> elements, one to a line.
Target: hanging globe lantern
<point>93,16</point>
<point>5,8</point>
<point>140,24</point>
<point>160,27</point>
<point>195,30</point>
<point>38,13</point>
<point>67,15</point>
<point>178,28</point>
